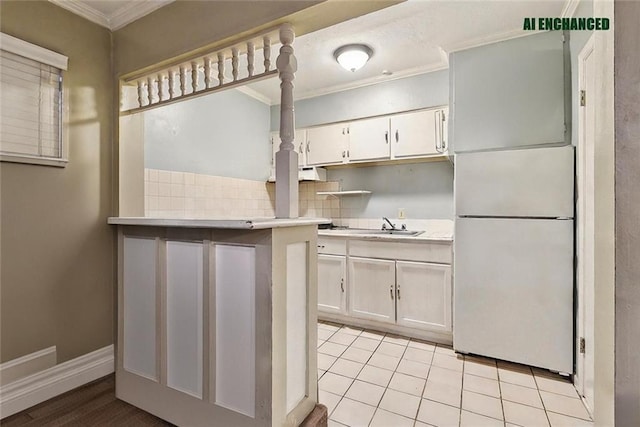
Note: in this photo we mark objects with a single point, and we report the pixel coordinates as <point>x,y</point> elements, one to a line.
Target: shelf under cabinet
<point>343,193</point>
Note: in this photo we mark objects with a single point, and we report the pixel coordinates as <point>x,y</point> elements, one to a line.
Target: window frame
<point>47,57</point>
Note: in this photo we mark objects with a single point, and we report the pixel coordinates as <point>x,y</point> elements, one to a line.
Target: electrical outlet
<point>401,213</point>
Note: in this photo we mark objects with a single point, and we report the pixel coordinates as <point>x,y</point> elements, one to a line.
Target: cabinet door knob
<point>391,291</point>
<point>321,246</point>
<point>342,284</point>
<point>398,292</point>
<point>386,137</point>
<point>397,136</point>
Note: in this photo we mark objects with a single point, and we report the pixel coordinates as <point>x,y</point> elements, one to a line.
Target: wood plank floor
<point>92,405</point>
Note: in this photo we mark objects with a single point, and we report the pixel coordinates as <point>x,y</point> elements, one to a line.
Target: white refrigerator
<point>513,256</point>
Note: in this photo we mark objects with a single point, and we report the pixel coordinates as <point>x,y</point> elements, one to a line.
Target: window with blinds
<point>30,104</point>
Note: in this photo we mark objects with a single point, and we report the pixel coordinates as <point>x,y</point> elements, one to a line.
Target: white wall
<point>222,134</point>
<point>424,190</point>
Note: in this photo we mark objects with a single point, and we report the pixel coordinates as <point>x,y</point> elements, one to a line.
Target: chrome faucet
<point>384,226</point>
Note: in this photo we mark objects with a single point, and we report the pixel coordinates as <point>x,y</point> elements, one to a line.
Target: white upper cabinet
<point>420,133</point>
<point>369,139</point>
<point>299,142</point>
<point>327,144</point>
<point>416,134</point>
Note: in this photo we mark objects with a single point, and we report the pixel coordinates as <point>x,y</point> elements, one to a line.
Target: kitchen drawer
<point>332,246</point>
<point>426,252</point>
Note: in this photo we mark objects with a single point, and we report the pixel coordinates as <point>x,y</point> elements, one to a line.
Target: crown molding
<point>569,8</point>
<point>83,10</point>
<point>119,18</point>
<point>493,38</point>
<point>133,11</point>
<point>254,94</point>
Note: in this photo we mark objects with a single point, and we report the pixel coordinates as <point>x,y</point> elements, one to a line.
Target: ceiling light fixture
<point>352,57</point>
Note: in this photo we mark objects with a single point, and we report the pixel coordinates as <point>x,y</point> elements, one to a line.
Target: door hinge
<point>583,98</point>
<point>582,345</point>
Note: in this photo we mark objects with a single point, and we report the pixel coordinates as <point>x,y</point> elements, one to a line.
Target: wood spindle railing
<point>183,79</point>
<point>234,63</point>
<point>171,82</point>
<point>250,58</point>
<point>266,49</point>
<point>194,77</point>
<point>140,93</point>
<point>160,79</point>
<point>220,68</point>
<point>207,72</point>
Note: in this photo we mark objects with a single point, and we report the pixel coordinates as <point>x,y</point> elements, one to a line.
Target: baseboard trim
<point>26,365</point>
<point>29,391</point>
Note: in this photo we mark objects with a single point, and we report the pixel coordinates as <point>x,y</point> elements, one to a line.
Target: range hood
<point>310,173</point>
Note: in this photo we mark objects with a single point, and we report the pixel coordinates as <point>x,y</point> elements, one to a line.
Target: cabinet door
<point>274,140</point>
<point>423,294</point>
<point>414,134</point>
<point>372,289</point>
<point>299,143</point>
<point>369,139</point>
<point>331,283</point>
<point>326,144</point>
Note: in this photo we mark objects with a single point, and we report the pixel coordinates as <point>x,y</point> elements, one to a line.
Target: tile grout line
<point>546,414</point>
<point>504,416</point>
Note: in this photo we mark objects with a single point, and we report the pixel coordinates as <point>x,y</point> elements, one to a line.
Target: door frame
<point>582,163</point>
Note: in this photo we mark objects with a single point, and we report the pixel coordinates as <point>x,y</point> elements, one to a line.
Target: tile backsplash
<point>172,194</point>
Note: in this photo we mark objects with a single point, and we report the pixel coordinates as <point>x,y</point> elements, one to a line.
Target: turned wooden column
<point>286,157</point>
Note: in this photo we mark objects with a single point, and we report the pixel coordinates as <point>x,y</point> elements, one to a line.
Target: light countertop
<point>433,230</point>
<point>426,236</point>
<point>226,223</point>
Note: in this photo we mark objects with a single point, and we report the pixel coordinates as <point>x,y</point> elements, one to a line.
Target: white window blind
<point>30,105</point>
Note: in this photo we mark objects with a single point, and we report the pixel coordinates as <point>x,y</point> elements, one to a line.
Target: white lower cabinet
<point>414,290</point>
<point>331,283</point>
<point>423,295</point>
<point>372,289</point>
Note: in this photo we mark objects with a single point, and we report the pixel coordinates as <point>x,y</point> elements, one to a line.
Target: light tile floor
<point>367,378</point>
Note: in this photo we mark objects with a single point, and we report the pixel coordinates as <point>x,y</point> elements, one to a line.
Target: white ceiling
<point>409,38</point>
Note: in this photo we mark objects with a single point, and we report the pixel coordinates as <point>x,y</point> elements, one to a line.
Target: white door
<point>327,145</point>
<point>369,139</point>
<point>331,283</point>
<point>372,289</point>
<point>585,230</point>
<point>423,295</point>
<point>414,134</point>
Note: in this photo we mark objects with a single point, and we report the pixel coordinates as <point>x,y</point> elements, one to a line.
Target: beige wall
<point>186,25</point>
<point>627,118</point>
<point>57,271</point>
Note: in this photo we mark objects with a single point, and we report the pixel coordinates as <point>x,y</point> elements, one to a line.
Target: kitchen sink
<point>370,232</point>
